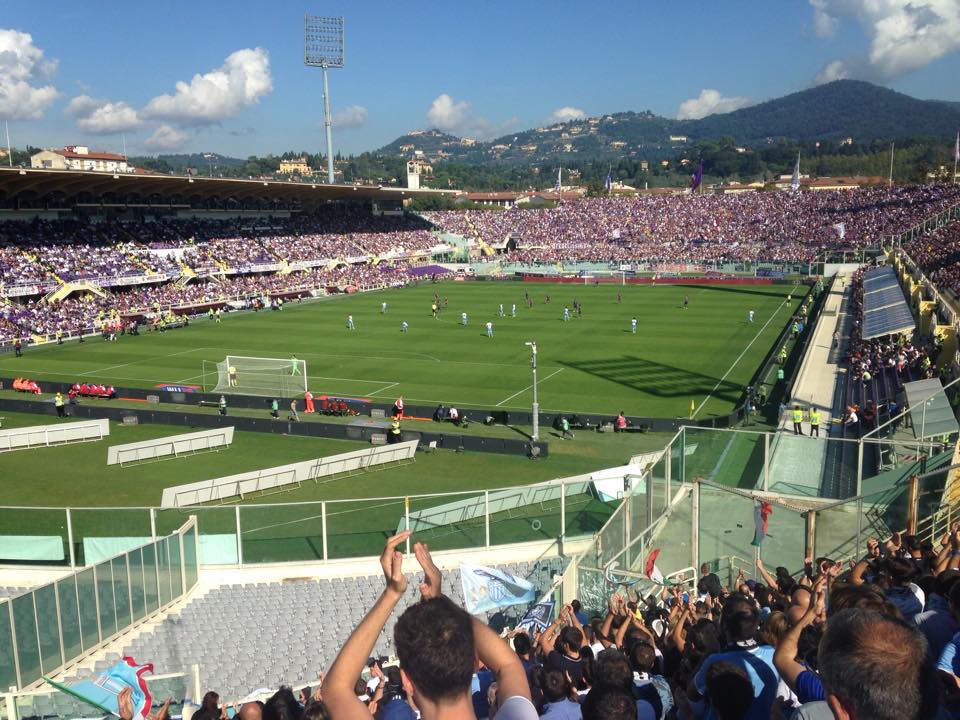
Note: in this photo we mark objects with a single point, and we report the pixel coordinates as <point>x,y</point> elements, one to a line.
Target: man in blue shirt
<point>740,621</point>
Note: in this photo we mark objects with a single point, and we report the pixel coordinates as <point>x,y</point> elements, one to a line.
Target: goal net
<point>256,376</point>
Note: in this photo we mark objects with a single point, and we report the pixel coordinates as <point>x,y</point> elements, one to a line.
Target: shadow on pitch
<point>740,290</point>
<point>657,379</point>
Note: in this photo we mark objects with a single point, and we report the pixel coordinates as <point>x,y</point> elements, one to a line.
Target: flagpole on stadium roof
<point>323,48</point>
<point>10,151</point>
<point>890,179</point>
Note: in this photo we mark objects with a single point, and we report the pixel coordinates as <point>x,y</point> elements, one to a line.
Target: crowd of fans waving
<point>876,638</point>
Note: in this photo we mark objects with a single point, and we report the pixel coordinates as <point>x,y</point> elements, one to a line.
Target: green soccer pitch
<point>706,353</point>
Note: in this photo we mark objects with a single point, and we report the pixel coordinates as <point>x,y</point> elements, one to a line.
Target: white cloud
<point>904,35</point>
<point>837,70</point>
<point>166,137</point>
<point>22,64</point>
<point>824,24</point>
<point>707,103</point>
<point>456,117</point>
<point>567,113</point>
<point>447,114</point>
<point>102,117</point>
<point>352,116</point>
<point>222,93</point>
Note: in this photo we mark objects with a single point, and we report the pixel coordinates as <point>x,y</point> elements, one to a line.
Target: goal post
<point>266,377</point>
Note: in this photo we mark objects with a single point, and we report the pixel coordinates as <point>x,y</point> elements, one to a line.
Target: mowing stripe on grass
<point>529,386</point>
<point>739,358</point>
<point>100,371</point>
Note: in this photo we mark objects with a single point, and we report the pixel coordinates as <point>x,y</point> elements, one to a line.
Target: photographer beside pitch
<point>438,644</point>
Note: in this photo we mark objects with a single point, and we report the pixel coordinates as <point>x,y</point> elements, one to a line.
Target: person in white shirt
<point>383,308</point>
<point>750,316</point>
<point>349,322</point>
<point>489,329</point>
<point>463,318</point>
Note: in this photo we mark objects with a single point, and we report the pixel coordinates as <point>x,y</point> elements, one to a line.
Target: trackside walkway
<point>797,463</point>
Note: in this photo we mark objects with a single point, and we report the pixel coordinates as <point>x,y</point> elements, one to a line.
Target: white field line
<point>383,389</point>
<point>529,386</point>
<point>735,362</point>
<point>98,371</point>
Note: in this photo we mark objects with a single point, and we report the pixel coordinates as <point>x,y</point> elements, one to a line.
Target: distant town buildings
<point>80,157</point>
<point>295,166</point>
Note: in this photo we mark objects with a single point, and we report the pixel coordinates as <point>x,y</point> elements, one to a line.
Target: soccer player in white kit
<point>750,316</point>
<point>489,329</point>
<point>566,314</point>
<point>349,322</point>
<point>383,308</point>
<point>633,325</point>
<point>501,310</point>
<point>513,310</point>
<point>404,326</point>
<point>463,318</point>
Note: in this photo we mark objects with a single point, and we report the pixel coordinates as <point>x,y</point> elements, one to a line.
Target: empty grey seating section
<point>250,636</point>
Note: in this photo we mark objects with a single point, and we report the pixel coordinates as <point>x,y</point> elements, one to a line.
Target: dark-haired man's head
<point>643,657</point>
<point>575,604</point>
<point>316,710</point>
<point>609,703</point>
<point>900,571</point>
<point>434,641</point>
<point>846,595</point>
<point>282,705</point>
<point>522,644</point>
<point>612,668</point>
<point>554,685</point>
<point>874,667</point>
<point>569,641</point>
<point>730,691</point>
<point>739,618</point>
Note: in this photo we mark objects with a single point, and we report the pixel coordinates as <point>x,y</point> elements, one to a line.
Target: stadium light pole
<point>323,48</point>
<point>535,435</point>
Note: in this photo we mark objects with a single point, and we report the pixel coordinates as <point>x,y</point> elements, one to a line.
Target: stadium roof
<point>15,181</point>
<point>885,311</point>
<point>930,409</point>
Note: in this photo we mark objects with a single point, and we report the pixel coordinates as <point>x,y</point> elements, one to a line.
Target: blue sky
<point>229,77</point>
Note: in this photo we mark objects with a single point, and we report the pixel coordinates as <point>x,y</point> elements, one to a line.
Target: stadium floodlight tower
<point>535,435</point>
<point>323,48</point>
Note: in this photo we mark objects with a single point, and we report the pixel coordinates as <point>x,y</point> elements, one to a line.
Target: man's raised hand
<point>392,563</point>
<point>430,587</point>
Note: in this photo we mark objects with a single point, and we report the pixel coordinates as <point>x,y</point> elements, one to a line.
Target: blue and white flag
<point>608,183</point>
<point>538,617</point>
<point>795,180</point>
<point>487,588</point>
<point>102,692</point>
<point>559,186</point>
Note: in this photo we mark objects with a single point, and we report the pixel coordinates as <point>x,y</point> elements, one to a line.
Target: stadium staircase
<point>64,290</point>
<point>485,249</point>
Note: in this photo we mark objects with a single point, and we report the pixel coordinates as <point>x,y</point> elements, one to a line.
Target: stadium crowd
<point>705,227</point>
<point>874,639</point>
<point>161,304</point>
<point>938,255</point>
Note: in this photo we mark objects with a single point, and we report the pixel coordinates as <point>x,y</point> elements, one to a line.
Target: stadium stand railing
<point>50,627</point>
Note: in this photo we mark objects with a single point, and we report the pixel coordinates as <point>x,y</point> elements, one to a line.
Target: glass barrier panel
<point>33,536</point>
<point>99,535</point>
<point>456,521</point>
<point>612,539</point>
<point>190,559</point>
<point>176,578</point>
<point>724,457</point>
<point>809,466</point>
<point>45,600</point>
<point>586,511</point>
<point>677,450</point>
<point>837,531</point>
<point>25,631</point>
<point>151,590</point>
<point>526,514</point>
<point>121,591</point>
<point>108,604</point>
<point>163,571</point>
<point>69,617</point>
<point>172,686</point>
<point>217,527</point>
<point>281,533</point>
<point>87,600</point>
<point>672,537</point>
<point>137,599</point>
<point>358,528</point>
<point>8,671</point>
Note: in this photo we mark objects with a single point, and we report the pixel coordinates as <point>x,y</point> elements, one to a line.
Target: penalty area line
<point>736,362</point>
<point>528,387</point>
